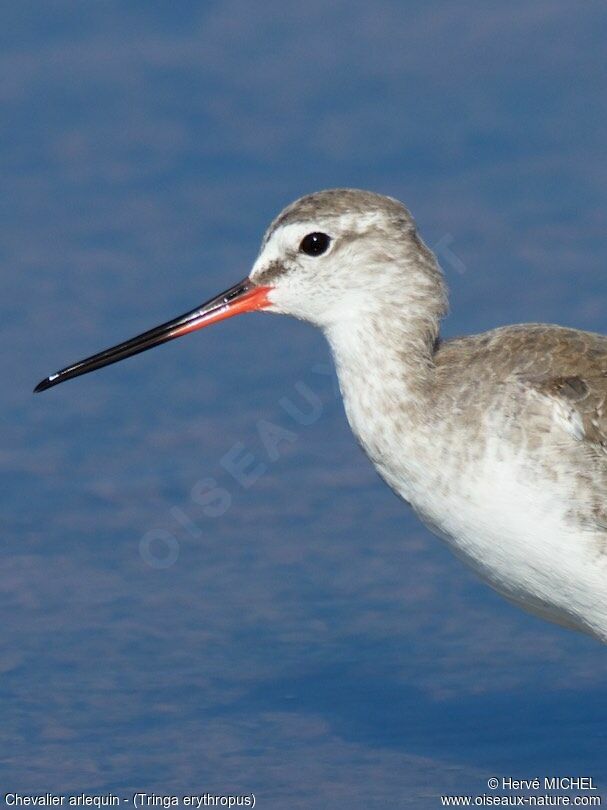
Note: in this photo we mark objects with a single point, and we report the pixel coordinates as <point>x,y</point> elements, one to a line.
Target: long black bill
<point>242,297</point>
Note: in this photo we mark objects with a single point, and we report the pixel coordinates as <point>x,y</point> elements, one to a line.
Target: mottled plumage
<point>498,440</point>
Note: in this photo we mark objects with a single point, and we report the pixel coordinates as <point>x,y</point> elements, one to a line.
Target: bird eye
<point>314,244</point>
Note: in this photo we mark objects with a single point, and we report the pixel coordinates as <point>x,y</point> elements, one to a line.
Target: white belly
<point>511,527</point>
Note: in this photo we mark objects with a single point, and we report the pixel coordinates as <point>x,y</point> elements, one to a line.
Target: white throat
<point>384,367</point>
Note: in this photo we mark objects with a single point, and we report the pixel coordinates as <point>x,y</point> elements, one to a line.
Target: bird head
<point>330,258</point>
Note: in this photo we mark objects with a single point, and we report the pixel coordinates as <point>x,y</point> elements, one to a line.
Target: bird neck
<point>386,370</point>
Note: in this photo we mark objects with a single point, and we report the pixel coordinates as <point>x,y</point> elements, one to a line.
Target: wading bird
<point>498,440</point>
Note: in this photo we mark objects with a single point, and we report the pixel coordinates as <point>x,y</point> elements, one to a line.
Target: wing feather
<point>578,405</point>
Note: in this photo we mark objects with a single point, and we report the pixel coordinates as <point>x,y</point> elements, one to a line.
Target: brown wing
<point>564,371</point>
<point>579,404</point>
<point>567,368</point>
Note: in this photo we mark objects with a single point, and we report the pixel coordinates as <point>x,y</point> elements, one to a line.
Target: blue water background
<point>311,643</point>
